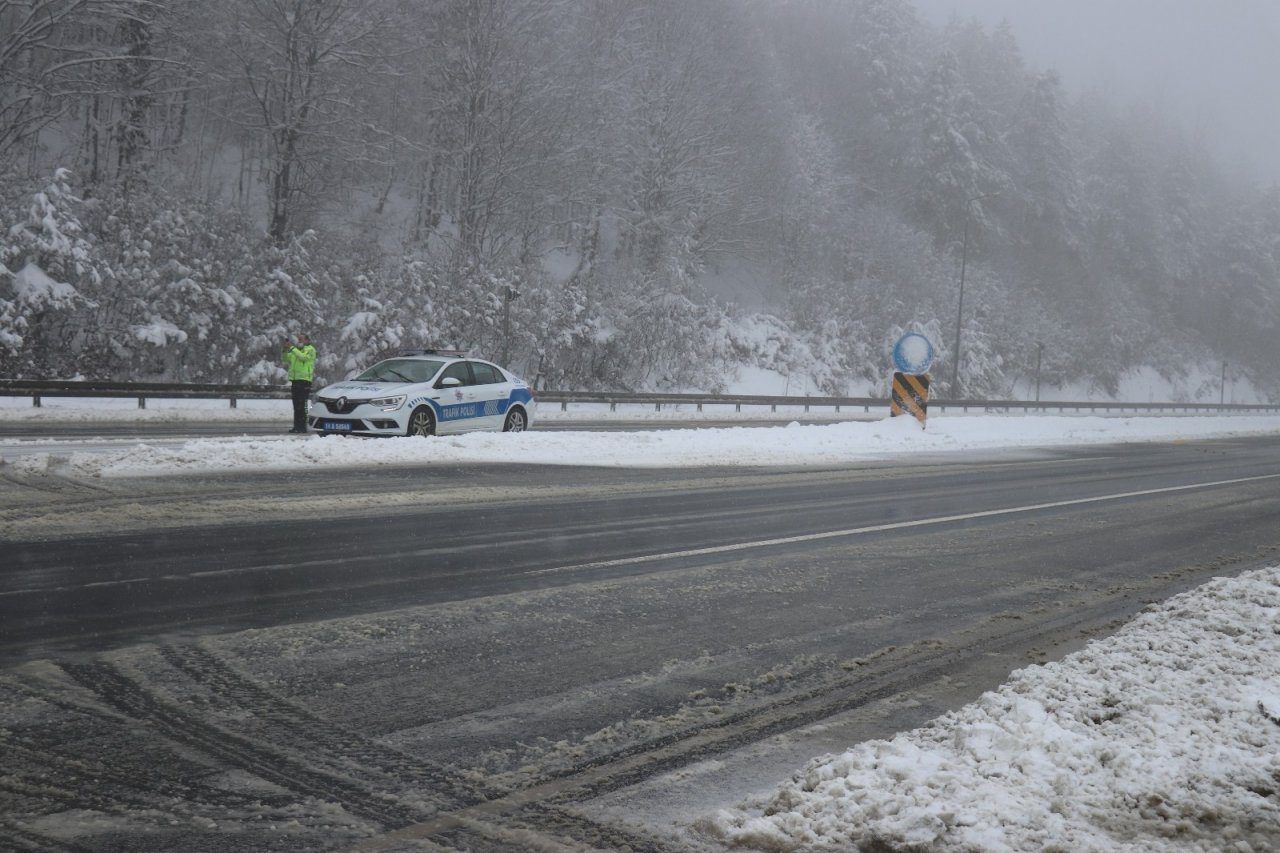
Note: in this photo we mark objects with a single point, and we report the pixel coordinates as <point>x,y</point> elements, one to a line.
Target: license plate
<point>336,426</point>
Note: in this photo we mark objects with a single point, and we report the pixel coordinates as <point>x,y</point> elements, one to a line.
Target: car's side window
<point>458,370</point>
<point>485,373</point>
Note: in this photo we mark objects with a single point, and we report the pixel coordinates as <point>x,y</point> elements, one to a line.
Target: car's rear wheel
<point>516,420</point>
<point>422,422</point>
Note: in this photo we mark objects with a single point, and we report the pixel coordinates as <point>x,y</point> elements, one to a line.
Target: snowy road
<point>475,655</point>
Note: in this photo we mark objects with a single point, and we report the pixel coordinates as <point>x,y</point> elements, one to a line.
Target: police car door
<point>491,395</point>
<point>458,409</point>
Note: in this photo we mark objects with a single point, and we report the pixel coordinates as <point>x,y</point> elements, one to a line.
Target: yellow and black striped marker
<point>910,394</point>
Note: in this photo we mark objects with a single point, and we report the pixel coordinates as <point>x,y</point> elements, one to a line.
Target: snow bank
<point>1165,736</point>
<point>789,445</point>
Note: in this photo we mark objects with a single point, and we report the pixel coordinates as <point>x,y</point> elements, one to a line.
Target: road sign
<point>913,353</point>
<point>910,395</point>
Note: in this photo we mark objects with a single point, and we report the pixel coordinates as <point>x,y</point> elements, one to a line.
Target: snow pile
<point>1165,736</point>
<point>793,444</point>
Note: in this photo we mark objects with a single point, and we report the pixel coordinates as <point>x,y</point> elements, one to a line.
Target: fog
<point>650,195</point>
<point>1211,63</point>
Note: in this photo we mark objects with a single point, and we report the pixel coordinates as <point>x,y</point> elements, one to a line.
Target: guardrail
<point>867,403</point>
<point>37,389</point>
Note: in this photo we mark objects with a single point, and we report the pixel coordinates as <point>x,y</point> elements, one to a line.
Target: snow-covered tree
<point>1044,192</point>
<point>175,306</point>
<point>51,270</point>
<point>389,317</point>
<point>288,289</point>
<point>298,69</point>
<point>613,162</point>
<point>956,168</point>
<point>673,164</point>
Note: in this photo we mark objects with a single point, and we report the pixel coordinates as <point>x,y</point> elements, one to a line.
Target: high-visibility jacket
<point>301,361</point>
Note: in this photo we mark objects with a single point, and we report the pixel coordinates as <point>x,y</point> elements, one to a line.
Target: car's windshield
<point>401,370</point>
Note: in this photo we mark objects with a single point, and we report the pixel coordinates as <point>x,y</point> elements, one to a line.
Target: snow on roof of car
<point>450,353</point>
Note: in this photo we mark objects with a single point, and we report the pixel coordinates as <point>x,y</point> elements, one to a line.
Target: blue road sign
<point>913,353</point>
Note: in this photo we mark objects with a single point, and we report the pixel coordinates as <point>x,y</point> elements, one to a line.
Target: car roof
<point>443,355</point>
<point>432,353</point>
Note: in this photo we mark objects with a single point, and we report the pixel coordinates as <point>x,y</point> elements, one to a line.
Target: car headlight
<point>388,404</point>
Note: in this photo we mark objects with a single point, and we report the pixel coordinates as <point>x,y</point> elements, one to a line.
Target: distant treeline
<point>571,187</point>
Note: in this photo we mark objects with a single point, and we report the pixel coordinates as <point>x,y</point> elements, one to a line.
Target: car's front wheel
<point>422,422</point>
<point>516,421</point>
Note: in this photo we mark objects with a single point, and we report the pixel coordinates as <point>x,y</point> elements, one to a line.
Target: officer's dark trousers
<point>301,391</point>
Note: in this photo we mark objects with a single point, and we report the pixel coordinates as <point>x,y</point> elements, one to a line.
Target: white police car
<point>425,392</point>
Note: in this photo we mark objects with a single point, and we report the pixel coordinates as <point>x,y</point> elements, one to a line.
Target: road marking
<point>879,528</point>
<point>650,558</point>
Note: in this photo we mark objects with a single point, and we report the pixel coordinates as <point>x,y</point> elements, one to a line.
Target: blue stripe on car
<point>518,395</point>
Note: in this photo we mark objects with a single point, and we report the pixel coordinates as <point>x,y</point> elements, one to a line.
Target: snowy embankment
<point>784,444</point>
<point>1163,737</point>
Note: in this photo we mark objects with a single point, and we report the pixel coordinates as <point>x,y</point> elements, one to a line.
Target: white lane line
<point>649,558</point>
<point>877,528</point>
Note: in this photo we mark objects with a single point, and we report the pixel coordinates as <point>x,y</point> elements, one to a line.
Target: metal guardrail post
<point>142,402</point>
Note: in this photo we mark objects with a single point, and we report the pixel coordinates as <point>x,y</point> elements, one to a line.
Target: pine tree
<point>52,271</point>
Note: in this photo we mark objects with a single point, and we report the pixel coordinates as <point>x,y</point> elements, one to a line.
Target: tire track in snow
<point>545,804</point>
<point>287,768</point>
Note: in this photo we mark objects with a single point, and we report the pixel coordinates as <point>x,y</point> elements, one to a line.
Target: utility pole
<point>1039,353</point>
<point>508,294</point>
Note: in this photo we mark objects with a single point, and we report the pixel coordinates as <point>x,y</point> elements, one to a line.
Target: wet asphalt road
<point>538,637</point>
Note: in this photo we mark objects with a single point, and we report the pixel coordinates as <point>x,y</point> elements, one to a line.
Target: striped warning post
<point>910,395</point>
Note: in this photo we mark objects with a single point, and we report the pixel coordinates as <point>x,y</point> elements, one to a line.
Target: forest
<point>603,195</point>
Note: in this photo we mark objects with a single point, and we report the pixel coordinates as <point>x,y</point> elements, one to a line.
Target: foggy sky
<point>1212,64</point>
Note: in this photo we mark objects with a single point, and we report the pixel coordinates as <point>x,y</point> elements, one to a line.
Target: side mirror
<point>449,382</point>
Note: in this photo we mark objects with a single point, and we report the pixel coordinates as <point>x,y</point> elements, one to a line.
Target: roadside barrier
<point>38,389</point>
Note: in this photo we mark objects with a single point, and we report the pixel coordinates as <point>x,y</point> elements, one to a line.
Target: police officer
<point>300,358</point>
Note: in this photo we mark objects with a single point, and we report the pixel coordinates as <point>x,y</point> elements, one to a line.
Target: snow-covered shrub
<point>388,315</point>
<point>50,274</point>
<point>174,309</point>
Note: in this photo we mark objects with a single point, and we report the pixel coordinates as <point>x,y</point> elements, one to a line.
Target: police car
<point>425,392</point>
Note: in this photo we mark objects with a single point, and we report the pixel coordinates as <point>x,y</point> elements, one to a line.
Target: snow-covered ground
<point>787,443</point>
<point>1165,736</point>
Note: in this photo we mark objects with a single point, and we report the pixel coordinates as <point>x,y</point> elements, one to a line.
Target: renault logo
<point>341,404</point>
